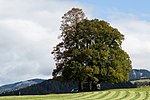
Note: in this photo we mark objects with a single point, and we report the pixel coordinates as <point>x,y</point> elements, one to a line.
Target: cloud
<point>28,33</point>
<point>24,49</point>
<point>137,34</point>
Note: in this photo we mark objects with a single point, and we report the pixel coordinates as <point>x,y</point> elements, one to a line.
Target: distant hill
<point>139,73</point>
<point>45,87</point>
<point>19,85</point>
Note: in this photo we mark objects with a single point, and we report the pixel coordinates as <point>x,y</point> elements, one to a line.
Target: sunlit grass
<point>113,94</point>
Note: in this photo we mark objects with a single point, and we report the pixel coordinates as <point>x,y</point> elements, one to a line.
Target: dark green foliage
<point>128,84</point>
<point>90,50</point>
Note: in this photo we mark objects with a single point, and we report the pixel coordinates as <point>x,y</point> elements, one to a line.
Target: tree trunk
<point>94,86</point>
<point>79,86</point>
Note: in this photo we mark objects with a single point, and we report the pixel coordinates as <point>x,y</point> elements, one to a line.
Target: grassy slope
<point>114,94</point>
<point>144,80</point>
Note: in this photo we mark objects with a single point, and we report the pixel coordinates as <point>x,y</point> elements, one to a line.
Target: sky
<point>29,30</point>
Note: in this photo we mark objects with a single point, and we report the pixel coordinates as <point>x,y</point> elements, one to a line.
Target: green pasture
<point>113,94</point>
<point>143,80</point>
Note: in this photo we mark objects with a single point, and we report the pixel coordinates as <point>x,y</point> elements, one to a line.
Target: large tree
<point>91,50</point>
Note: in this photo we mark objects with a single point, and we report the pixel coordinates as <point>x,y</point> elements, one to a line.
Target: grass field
<point>113,94</point>
<point>143,80</point>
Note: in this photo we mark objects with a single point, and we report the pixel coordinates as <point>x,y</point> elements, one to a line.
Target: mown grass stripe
<point>115,95</point>
<point>142,95</point>
<point>110,95</point>
<point>74,95</point>
<point>125,96</point>
<point>80,96</point>
<point>98,95</point>
<point>94,95</point>
<point>147,97</point>
<point>130,96</point>
<point>121,95</point>
<point>137,95</point>
<point>104,95</point>
<point>87,95</point>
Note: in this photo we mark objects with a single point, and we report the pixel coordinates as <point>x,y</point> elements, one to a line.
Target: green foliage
<point>90,49</point>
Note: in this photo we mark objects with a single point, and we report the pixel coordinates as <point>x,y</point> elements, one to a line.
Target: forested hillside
<point>19,85</point>
<point>46,87</point>
<point>139,73</point>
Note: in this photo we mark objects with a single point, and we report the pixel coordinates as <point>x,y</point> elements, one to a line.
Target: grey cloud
<point>28,33</point>
<point>137,43</point>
